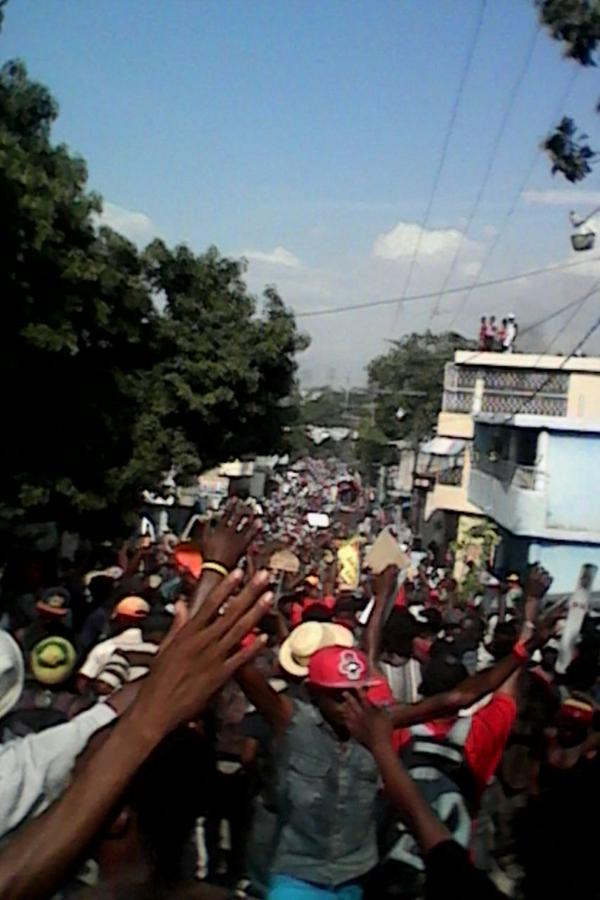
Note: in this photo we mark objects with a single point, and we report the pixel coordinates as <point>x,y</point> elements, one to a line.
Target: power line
<point>594,290</point>
<point>578,307</point>
<point>488,171</point>
<point>431,294</point>
<point>516,198</point>
<point>577,302</point>
<point>449,133</point>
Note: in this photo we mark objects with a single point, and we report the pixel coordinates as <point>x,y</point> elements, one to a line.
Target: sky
<point>305,135</point>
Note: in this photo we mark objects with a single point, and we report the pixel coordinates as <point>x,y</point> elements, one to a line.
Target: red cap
<point>577,711</point>
<point>380,693</point>
<point>339,668</point>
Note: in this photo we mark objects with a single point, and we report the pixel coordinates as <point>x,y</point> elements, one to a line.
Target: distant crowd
<point>498,338</point>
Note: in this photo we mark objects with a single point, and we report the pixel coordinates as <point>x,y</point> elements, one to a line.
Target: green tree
<point>407,382</point>
<point>220,386</point>
<point>576,25</point>
<point>117,366</point>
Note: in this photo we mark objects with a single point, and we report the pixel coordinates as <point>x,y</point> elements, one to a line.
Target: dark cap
<point>55,601</point>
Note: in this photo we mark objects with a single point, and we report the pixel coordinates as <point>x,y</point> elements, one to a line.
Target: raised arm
<point>224,545</point>
<point>477,686</point>
<point>383,585</point>
<point>466,694</point>
<point>373,728</point>
<point>275,708</point>
<point>200,659</point>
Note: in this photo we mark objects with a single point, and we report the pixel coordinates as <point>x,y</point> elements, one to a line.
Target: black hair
<point>156,624</point>
<point>400,630</point>
<point>582,673</point>
<point>505,635</point>
<point>443,672</point>
<point>349,604</point>
<point>317,612</point>
<point>168,793</point>
<point>101,589</point>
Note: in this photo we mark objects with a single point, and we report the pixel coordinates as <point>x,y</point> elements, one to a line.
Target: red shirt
<point>485,743</point>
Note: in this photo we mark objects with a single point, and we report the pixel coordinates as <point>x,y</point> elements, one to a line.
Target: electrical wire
<point>594,290</point>
<point>523,184</point>
<point>449,134</point>
<point>488,171</point>
<point>491,282</point>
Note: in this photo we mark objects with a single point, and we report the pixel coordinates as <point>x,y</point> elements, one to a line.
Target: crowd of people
<point>240,725</point>
<point>500,338</point>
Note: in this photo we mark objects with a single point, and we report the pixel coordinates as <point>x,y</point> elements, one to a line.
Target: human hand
<point>228,540</point>
<point>368,724</point>
<point>203,654</point>
<point>537,582</point>
<point>546,625</point>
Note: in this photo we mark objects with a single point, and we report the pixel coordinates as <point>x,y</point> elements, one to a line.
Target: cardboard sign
<point>386,552</point>
<point>285,561</point>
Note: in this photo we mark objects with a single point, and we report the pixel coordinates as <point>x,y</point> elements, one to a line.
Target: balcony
<point>509,473</point>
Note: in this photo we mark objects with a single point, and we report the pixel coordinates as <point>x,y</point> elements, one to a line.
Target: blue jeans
<point>283,887</point>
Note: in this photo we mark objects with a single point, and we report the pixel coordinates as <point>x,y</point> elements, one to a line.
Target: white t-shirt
<point>130,639</point>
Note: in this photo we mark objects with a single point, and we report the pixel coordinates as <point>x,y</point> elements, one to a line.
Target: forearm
<point>408,800</point>
<point>274,708</point>
<point>41,855</point>
<point>208,581</point>
<point>468,692</point>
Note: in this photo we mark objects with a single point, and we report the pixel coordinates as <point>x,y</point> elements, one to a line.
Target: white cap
<point>511,315</point>
<point>12,673</point>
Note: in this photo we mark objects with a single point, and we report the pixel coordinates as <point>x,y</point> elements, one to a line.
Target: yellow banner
<point>349,564</point>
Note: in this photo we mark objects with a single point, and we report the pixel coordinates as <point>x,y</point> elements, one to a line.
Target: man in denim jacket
<point>326,782</point>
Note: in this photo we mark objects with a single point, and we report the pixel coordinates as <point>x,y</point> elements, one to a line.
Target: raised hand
<point>537,582</point>
<point>229,539</point>
<point>385,582</point>
<point>369,725</point>
<point>204,654</point>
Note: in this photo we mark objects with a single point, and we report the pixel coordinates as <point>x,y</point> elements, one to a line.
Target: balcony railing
<point>506,390</point>
<point>509,473</point>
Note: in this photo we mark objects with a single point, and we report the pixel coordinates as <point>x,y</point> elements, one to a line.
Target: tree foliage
<point>116,365</point>
<point>410,377</point>
<point>575,24</point>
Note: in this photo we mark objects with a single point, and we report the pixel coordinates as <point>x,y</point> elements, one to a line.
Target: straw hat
<point>306,639</point>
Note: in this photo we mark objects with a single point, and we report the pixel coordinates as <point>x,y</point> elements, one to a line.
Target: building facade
<point>536,476</point>
<point>502,384</point>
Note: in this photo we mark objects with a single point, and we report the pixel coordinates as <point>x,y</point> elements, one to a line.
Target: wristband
<point>215,567</point>
<point>521,652</point>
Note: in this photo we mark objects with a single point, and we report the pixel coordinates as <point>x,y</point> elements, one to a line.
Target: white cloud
<point>131,223</point>
<point>568,197</point>
<point>471,269</point>
<point>279,257</point>
<point>401,241</point>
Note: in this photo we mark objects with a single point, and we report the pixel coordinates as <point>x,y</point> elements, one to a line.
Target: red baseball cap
<point>379,693</point>
<point>339,668</point>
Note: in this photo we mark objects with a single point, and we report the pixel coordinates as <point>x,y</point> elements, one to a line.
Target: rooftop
<point>527,361</point>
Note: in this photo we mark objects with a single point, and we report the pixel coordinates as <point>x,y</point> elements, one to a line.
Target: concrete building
<point>537,477</point>
<point>501,384</point>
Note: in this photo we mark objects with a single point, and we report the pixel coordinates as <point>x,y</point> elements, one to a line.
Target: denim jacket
<point>327,790</point>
